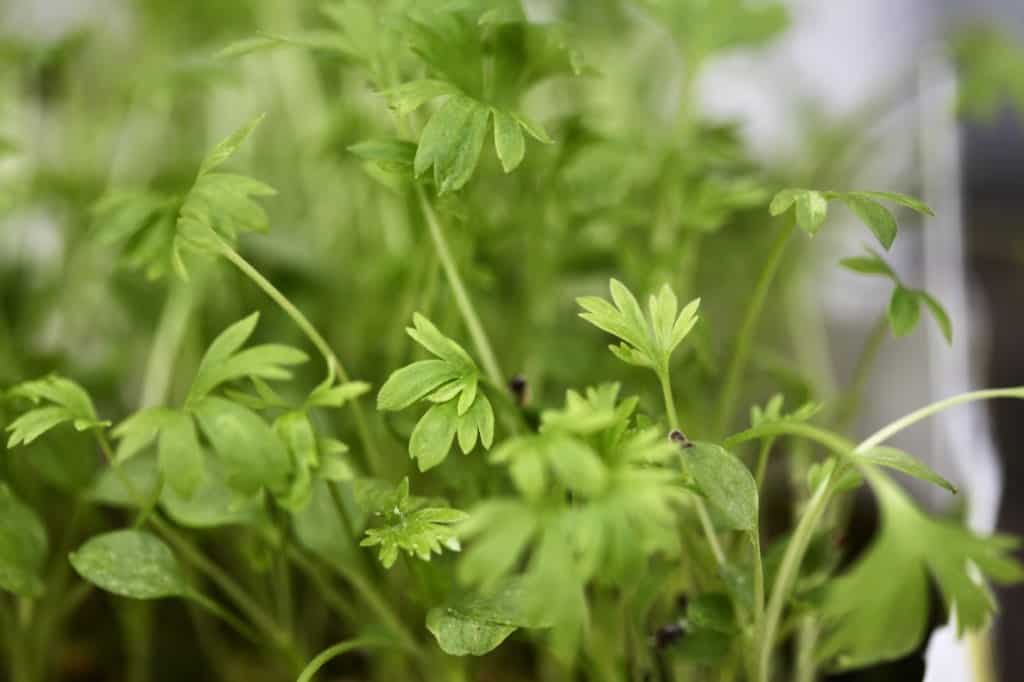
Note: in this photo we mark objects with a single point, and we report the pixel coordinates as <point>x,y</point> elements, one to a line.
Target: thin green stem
<point>167,339</point>
<point>755,546</point>
<point>334,365</point>
<point>745,338</point>
<point>332,652</point>
<point>787,575</point>
<point>462,300</point>
<point>888,431</point>
<point>223,614</point>
<point>702,511</point>
<point>762,462</point>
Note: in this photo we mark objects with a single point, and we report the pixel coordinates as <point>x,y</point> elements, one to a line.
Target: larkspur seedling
<point>465,160</point>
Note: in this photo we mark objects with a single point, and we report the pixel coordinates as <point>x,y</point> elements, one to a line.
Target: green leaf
<point>508,140</point>
<point>67,402</point>
<point>419,533</point>
<point>253,455</point>
<point>451,142</point>
<point>460,635</point>
<point>430,337</point>
<point>875,216</point>
<point>409,97</point>
<point>725,482</point>
<point>23,546</point>
<point>649,342</point>
<point>904,311</point>
<point>872,264</point>
<point>901,461</point>
<point>901,199</point>
<point>388,151</point>
<point>179,454</point>
<point>413,383</point>
<point>477,421</point>
<point>432,438</point>
<point>878,610</point>
<point>229,145</point>
<point>131,563</point>
<point>224,362</point>
<point>326,395</point>
<point>213,503</point>
<point>939,314</point>
<point>712,611</point>
<point>811,207</point>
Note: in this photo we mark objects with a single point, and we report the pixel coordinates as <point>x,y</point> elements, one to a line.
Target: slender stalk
<point>755,546</point>
<point>745,338</point>
<point>888,431</point>
<point>462,300</point>
<point>762,462</point>
<point>334,365</point>
<point>332,652</point>
<point>223,614</point>
<point>166,341</point>
<point>787,574</point>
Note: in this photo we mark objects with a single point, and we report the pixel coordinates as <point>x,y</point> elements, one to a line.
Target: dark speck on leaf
<point>667,635</point>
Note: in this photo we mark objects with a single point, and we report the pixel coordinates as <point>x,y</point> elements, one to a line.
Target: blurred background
<point>931,92</point>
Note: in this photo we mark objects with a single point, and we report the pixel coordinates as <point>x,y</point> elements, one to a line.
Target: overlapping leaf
<point>450,381</point>
<point>63,401</point>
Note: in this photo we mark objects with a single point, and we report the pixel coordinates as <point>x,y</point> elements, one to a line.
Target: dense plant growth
<point>378,438</point>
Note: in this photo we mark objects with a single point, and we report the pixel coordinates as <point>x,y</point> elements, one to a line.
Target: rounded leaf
<point>130,563</point>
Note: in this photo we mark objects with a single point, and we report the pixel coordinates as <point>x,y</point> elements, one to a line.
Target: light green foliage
<point>63,401</point>
<point>910,549</point>
<point>812,209</point>
<point>419,531</point>
<point>219,205</point>
<point>905,305</point>
<point>725,482</point>
<point>23,546</point>
<point>462,159</point>
<point>647,341</point>
<point>132,564</point>
<point>450,381</point>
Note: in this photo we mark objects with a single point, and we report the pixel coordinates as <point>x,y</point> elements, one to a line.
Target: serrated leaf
<point>23,546</point>
<point>68,402</point>
<point>229,145</point>
<point>508,140</point>
<point>419,534</point>
<point>460,635</point>
<point>899,460</point>
<point>904,311</point>
<point>895,571</point>
<point>131,563</point>
<point>432,438</point>
<point>877,217</point>
<point>430,337</point>
<point>725,482</point>
<point>451,142</point>
<point>224,362</point>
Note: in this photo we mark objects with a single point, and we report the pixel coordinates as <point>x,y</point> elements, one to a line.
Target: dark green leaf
<point>131,563</point>
<point>23,546</point>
